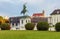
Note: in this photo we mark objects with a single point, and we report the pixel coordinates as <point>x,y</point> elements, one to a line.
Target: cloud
<point>7,14</point>
<point>23,1</point>
<point>15,6</point>
<point>50,7</point>
<point>8,1</point>
<point>3,14</point>
<point>5,1</point>
<point>32,1</point>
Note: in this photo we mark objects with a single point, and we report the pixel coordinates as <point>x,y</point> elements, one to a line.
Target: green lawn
<point>29,35</point>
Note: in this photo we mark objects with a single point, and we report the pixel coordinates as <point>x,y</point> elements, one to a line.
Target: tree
<point>1,17</point>
<point>5,26</point>
<point>29,26</point>
<point>42,26</point>
<point>57,26</point>
<point>24,10</point>
<point>1,20</point>
<point>6,20</point>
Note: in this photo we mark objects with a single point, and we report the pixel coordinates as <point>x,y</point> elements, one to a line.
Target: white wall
<point>54,19</point>
<point>22,26</point>
<point>13,27</point>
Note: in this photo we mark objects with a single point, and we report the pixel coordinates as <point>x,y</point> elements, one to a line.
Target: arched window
<point>26,21</point>
<point>16,24</point>
<point>22,21</point>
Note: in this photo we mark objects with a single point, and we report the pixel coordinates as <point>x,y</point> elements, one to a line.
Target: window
<point>12,24</point>
<point>16,24</point>
<point>26,21</point>
<point>22,21</point>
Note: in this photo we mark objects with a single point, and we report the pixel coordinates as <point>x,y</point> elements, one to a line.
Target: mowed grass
<point>29,35</point>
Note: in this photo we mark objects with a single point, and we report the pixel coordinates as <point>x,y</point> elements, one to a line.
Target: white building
<point>54,17</point>
<point>18,23</point>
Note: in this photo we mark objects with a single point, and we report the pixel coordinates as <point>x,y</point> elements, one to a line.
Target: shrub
<point>29,26</point>
<point>57,26</point>
<point>5,26</point>
<point>42,26</point>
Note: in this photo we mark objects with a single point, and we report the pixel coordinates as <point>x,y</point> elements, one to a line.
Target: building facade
<point>39,17</point>
<point>54,17</point>
<point>39,14</point>
<point>18,23</point>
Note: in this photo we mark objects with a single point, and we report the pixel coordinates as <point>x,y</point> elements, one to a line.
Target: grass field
<point>29,35</point>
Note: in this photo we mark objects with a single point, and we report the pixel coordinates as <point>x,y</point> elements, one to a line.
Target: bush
<point>57,26</point>
<point>42,26</point>
<point>29,26</point>
<point>5,26</point>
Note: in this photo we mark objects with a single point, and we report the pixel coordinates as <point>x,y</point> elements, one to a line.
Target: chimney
<point>43,12</point>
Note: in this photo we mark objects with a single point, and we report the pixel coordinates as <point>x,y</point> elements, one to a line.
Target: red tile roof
<point>38,14</point>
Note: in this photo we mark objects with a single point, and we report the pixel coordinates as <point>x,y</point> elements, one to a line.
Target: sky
<point>14,7</point>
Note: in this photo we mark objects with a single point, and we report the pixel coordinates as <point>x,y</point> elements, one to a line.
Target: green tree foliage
<point>29,26</point>
<point>42,26</point>
<point>1,20</point>
<point>57,26</point>
<point>1,17</point>
<point>24,10</point>
<point>5,26</point>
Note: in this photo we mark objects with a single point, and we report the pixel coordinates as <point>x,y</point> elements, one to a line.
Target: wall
<point>22,26</point>
<point>53,19</point>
